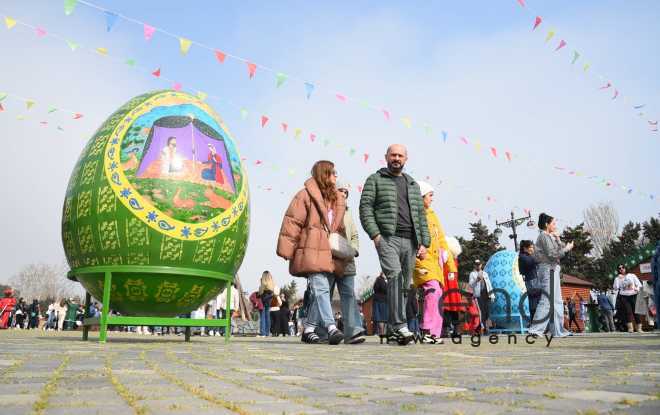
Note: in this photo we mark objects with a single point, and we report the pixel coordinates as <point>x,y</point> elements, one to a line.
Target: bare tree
<point>44,281</point>
<point>602,223</point>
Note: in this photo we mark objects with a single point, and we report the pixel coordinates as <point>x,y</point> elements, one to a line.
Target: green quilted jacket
<point>379,210</point>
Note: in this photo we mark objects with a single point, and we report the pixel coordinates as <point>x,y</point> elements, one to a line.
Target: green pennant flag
<point>364,104</point>
<point>576,56</point>
<point>244,113</point>
<point>51,109</point>
<point>326,142</point>
<point>130,62</point>
<point>352,151</point>
<point>280,79</point>
<point>427,129</point>
<point>3,95</point>
<point>73,45</point>
<point>69,5</point>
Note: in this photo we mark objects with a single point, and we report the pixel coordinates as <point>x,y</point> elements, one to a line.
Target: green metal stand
<point>106,319</point>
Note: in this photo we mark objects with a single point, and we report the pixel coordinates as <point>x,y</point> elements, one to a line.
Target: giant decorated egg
<point>159,197</point>
<point>509,287</point>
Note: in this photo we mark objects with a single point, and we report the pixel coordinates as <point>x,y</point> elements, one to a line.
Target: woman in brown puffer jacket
<point>314,213</point>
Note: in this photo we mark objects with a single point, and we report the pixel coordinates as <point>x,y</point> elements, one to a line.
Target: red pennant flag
<point>177,86</point>
<point>220,56</point>
<point>522,3</point>
<point>148,31</point>
<point>366,157</point>
<point>488,198</point>
<point>312,137</point>
<point>464,140</point>
<point>537,22</point>
<point>41,32</point>
<point>508,155</point>
<point>562,43</point>
<point>264,120</point>
<point>77,116</point>
<point>1,107</point>
<point>285,126</point>
<point>493,150</point>
<point>609,84</point>
<point>156,73</point>
<point>386,113</point>
<point>252,68</point>
<point>258,162</point>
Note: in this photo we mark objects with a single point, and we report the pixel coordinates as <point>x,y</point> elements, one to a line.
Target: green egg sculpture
<point>159,196</point>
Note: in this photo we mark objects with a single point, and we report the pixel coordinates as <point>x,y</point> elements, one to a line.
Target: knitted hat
<point>424,187</point>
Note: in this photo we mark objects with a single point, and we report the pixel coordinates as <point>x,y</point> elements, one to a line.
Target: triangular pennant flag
<point>364,104</point>
<point>244,113</point>
<point>351,151</point>
<point>427,129</point>
<point>252,69</point>
<point>148,31</point>
<point>292,172</point>
<point>69,6</point>
<point>616,94</point>
<point>258,162</point>
<point>156,73</point>
<point>220,56</point>
<point>607,85</point>
<point>177,86</point>
<point>41,32</point>
<point>312,137</point>
<point>20,117</point>
<point>464,140</point>
<point>477,145</point>
<point>51,109</point>
<point>562,43</point>
<point>359,188</point>
<point>326,142</point>
<point>550,35</point>
<point>72,45</point>
<point>508,155</point>
<point>493,151</point>
<point>365,157</point>
<point>586,67</point>
<point>537,22</point>
<point>29,103</point>
<point>309,88</point>
<point>639,107</point>
<point>102,51</point>
<point>296,133</point>
<point>576,56</point>
<point>77,116</point>
<point>521,2</point>
<point>264,120</point>
<point>202,95</point>
<point>386,113</point>
<point>341,97</point>
<point>3,95</point>
<point>60,128</point>
<point>130,62</point>
<point>285,126</point>
<point>280,78</point>
<point>406,121</point>
<point>110,19</point>
<point>1,108</point>
<point>444,136</point>
<point>184,45</point>
<point>10,22</point>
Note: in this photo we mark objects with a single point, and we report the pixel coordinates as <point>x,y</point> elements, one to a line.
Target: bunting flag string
<point>538,20</point>
<point>252,67</point>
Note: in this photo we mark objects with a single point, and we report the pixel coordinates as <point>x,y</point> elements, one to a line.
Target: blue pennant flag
<point>110,19</point>
<point>309,88</point>
<point>444,136</point>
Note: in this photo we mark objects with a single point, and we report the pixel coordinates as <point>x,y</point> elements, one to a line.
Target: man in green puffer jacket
<point>392,214</point>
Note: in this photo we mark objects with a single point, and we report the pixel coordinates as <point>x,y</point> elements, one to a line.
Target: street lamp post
<point>513,223</point>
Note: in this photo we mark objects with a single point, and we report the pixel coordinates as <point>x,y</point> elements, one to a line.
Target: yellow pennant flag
<point>406,121</point>
<point>297,133</point>
<point>586,67</point>
<point>20,117</point>
<point>477,146</point>
<point>102,51</point>
<point>184,44</point>
<point>550,35</point>
<point>29,103</point>
<point>202,95</point>
<point>10,22</point>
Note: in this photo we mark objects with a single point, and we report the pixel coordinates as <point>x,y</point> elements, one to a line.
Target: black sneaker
<point>402,336</point>
<point>357,339</point>
<point>335,336</point>
<point>311,338</point>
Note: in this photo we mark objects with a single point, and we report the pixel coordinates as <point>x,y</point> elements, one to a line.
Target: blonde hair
<point>267,283</point>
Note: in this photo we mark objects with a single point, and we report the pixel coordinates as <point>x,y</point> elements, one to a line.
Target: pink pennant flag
<point>464,140</point>
<point>386,113</point>
<point>252,68</point>
<point>1,107</point>
<point>571,173</point>
<point>508,155</point>
<point>220,56</point>
<point>341,97</point>
<point>177,86</point>
<point>148,31</point>
<point>537,22</point>
<point>382,162</point>
<point>285,126</point>
<point>156,73</point>
<point>360,188</point>
<point>562,43</point>
<point>522,3</point>
<point>77,116</point>
<point>41,32</point>
<point>527,211</point>
<point>365,157</point>
<point>616,94</point>
<point>312,137</point>
<point>493,150</point>
<point>609,84</point>
<point>264,120</point>
<point>44,123</point>
<point>258,162</point>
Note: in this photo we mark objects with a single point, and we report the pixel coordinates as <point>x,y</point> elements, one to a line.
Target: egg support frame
<point>107,319</point>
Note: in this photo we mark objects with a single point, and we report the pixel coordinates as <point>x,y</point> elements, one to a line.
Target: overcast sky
<point>473,69</point>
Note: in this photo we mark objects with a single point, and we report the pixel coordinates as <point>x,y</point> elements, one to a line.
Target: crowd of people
<point>65,314</point>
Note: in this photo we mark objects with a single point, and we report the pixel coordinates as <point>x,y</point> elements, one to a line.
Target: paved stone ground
<point>57,373</point>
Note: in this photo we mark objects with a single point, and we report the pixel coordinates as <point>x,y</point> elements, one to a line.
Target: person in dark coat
<point>33,314</point>
<point>379,312</point>
<point>527,265</point>
<point>412,310</point>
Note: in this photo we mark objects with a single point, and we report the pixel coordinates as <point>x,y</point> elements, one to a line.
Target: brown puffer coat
<point>303,238</point>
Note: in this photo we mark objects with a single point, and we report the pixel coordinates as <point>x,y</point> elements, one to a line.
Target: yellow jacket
<point>437,256</point>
